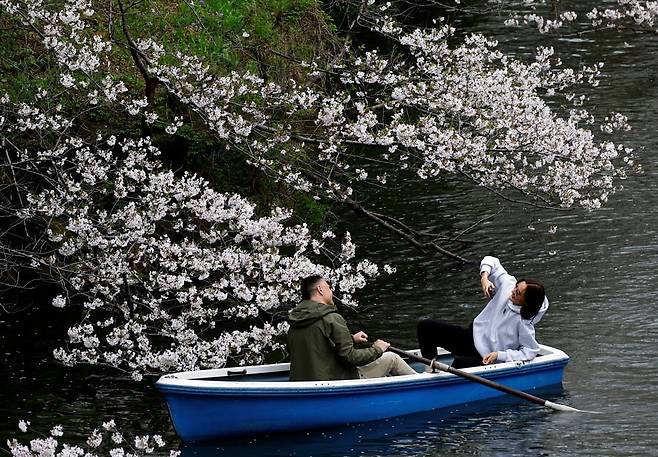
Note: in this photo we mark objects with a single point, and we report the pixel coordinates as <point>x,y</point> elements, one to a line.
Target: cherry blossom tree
<point>171,274</point>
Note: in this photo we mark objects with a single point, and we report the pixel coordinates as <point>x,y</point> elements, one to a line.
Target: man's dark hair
<point>534,298</point>
<point>308,285</point>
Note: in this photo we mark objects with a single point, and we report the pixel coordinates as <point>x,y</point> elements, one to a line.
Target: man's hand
<point>381,344</point>
<point>487,286</point>
<point>360,337</point>
<point>490,358</point>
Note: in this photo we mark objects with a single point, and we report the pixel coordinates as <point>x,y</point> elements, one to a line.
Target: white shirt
<point>500,327</point>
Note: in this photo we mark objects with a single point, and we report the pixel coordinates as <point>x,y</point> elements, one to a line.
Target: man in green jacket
<point>322,348</point>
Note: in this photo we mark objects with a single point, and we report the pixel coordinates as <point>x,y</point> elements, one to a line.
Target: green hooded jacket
<point>321,346</point>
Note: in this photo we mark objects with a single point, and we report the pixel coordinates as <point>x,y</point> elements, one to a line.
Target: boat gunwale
<point>174,384</point>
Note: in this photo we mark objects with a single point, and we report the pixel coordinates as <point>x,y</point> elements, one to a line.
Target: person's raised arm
<point>492,274</point>
<point>487,286</point>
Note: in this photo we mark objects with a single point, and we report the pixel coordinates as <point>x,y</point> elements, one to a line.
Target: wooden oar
<point>486,382</point>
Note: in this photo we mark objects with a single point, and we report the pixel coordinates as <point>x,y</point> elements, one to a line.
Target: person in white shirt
<point>503,331</point>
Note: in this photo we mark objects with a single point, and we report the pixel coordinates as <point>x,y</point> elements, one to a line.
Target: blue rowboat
<point>254,400</point>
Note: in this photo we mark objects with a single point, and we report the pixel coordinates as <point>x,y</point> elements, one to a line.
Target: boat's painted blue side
<point>211,410</point>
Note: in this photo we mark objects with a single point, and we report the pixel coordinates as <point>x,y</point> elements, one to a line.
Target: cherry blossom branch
<point>141,61</point>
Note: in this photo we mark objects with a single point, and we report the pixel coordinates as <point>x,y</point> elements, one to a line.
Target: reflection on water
<point>464,430</point>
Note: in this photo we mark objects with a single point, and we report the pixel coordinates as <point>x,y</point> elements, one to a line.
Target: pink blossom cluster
<point>621,13</point>
<point>103,441</point>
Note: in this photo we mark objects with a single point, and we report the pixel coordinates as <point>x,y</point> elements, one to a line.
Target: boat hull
<point>203,410</point>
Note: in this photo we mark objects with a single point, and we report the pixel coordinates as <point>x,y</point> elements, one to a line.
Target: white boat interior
<point>277,374</point>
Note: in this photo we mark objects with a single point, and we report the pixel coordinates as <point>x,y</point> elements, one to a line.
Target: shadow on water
<point>467,429</point>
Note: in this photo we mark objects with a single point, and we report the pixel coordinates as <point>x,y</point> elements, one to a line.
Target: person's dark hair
<point>534,297</point>
<point>308,284</point>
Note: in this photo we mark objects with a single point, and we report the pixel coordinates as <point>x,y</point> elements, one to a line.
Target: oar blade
<point>559,407</point>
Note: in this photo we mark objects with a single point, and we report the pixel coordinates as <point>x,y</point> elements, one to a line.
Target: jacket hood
<point>308,312</point>
<point>542,310</point>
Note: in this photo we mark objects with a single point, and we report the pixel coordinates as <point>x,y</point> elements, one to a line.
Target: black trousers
<point>454,338</point>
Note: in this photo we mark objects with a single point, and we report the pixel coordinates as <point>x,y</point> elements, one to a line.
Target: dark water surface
<point>600,270</point>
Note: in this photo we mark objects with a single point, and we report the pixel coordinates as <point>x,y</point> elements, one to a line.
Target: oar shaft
<point>472,377</point>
